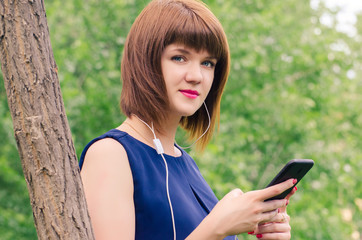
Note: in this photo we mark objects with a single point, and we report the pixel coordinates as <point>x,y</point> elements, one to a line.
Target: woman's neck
<point>139,130</point>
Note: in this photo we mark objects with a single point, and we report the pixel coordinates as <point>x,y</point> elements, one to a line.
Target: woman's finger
<point>276,189</point>
<point>280,218</point>
<point>291,193</point>
<point>274,204</point>
<point>273,228</point>
<point>267,216</point>
<point>274,236</point>
<point>284,209</point>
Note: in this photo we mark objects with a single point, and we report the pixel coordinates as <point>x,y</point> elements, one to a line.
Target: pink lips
<point>190,93</point>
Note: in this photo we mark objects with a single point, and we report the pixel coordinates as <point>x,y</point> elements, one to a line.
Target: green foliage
<point>294,92</point>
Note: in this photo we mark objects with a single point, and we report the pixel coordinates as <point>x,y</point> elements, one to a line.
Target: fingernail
<point>287,203</point>
<point>251,232</point>
<point>295,188</point>
<point>259,235</point>
<point>295,181</point>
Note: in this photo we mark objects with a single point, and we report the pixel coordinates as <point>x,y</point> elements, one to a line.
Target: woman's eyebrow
<point>182,50</point>
<point>212,58</point>
<point>185,51</point>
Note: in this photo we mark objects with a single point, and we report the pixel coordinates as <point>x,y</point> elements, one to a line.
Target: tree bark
<point>41,128</point>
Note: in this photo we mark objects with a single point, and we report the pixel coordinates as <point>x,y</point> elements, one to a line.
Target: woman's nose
<point>194,73</point>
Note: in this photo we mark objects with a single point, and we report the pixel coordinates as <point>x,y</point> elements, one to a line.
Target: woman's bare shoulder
<point>106,146</point>
<point>105,151</point>
<point>105,157</point>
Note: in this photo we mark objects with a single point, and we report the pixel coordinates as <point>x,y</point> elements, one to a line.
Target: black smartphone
<point>295,168</point>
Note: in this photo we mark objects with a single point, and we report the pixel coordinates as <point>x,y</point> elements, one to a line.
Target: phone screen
<point>295,168</point>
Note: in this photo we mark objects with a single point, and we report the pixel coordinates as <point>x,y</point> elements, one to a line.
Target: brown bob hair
<point>163,22</point>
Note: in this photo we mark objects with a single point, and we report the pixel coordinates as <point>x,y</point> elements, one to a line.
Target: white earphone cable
<point>159,149</point>
<point>208,126</point>
<point>169,199</point>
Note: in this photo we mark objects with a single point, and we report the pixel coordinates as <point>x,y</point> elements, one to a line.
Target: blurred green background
<point>294,92</point>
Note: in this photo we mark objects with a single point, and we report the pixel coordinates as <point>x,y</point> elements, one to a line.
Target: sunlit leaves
<point>294,92</point>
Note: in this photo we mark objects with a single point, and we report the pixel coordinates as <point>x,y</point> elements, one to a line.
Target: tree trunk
<point>41,128</point>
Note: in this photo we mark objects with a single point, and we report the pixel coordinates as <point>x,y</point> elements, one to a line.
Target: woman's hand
<point>240,212</point>
<point>278,227</point>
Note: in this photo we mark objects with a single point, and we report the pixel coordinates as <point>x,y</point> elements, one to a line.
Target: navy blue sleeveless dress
<point>192,199</point>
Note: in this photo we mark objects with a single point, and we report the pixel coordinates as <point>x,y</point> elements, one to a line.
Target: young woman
<point>139,184</point>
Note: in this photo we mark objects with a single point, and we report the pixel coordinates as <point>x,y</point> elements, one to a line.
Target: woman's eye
<point>178,59</point>
<point>209,64</point>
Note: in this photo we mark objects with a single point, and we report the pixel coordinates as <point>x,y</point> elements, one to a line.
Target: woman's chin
<point>186,110</point>
<point>189,113</point>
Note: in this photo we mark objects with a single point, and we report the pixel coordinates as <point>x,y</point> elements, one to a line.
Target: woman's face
<point>188,76</point>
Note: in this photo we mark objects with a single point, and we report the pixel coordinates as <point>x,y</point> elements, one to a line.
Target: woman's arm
<point>108,186</point>
<point>239,213</point>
